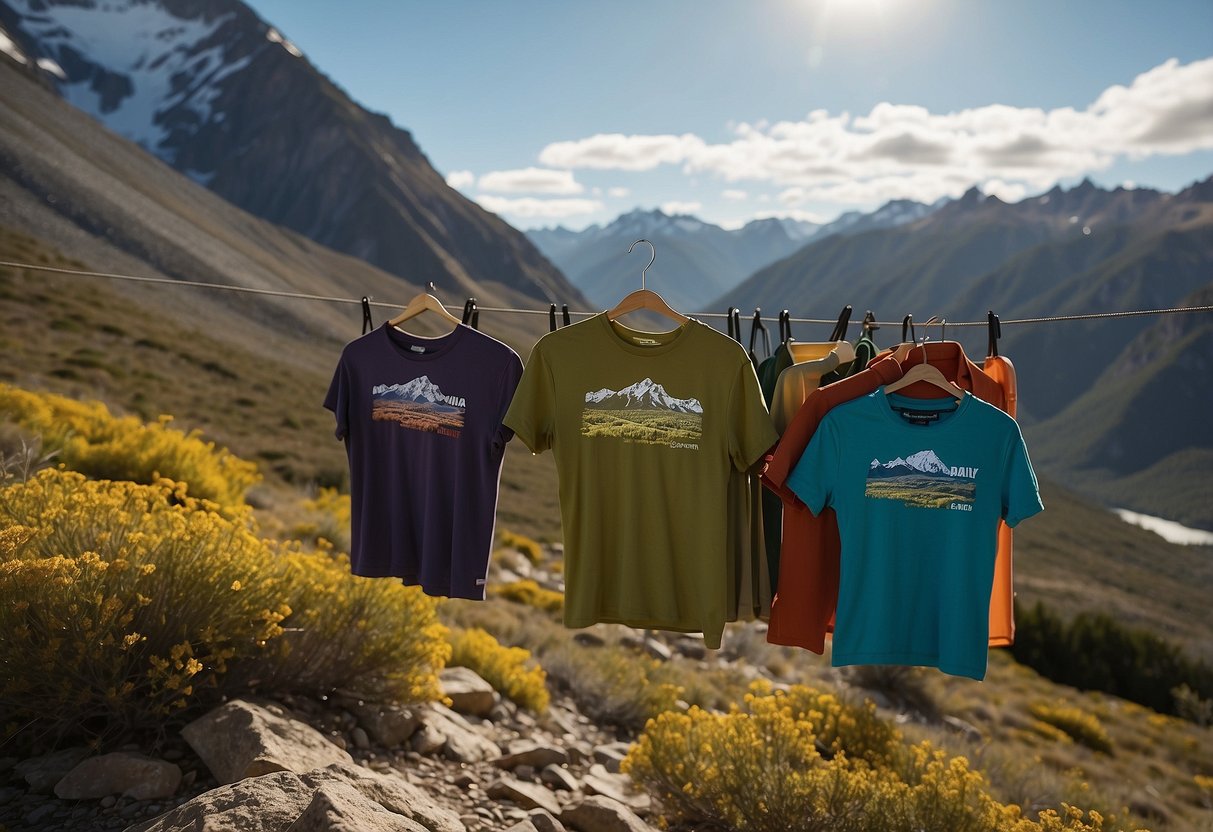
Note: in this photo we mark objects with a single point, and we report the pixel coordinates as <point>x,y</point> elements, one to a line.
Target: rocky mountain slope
<point>222,96</point>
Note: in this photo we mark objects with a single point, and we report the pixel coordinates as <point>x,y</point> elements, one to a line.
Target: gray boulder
<point>469,694</point>
<point>42,773</point>
<point>601,814</point>
<point>336,807</point>
<point>121,773</point>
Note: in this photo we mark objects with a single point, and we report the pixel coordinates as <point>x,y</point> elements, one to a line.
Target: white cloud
<point>531,181</point>
<point>532,208</point>
<point>907,151</point>
<point>615,151</point>
<point>618,193</point>
<point>734,195</point>
<point>676,207</point>
<point>460,179</point>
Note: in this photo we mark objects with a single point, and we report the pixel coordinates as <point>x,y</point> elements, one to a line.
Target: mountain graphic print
<point>922,480</point>
<point>418,405</point>
<point>643,412</point>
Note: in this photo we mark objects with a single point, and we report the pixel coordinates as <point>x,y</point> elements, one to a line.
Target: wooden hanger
<point>423,302</point>
<point>928,373</point>
<point>644,298</point>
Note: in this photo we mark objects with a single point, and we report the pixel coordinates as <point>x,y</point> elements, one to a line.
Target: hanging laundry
<point>919,487</point>
<point>645,427</point>
<point>422,423</point>
<point>802,611</point>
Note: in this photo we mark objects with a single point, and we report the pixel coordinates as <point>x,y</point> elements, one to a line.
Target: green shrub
<point>507,669</point>
<point>1081,726</point>
<point>530,593</point>
<point>1097,652</point>
<point>128,606</point>
<point>91,440</point>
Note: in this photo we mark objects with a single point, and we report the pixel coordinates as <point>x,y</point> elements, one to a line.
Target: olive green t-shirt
<point>645,428</point>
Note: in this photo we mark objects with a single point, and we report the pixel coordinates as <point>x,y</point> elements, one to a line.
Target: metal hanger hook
<point>645,271</point>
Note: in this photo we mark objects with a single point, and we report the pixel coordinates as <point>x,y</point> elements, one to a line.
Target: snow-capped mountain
<point>418,390</point>
<point>643,395</point>
<point>224,97</point>
<point>923,462</point>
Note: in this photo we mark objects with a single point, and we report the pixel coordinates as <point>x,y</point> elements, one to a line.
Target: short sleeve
<point>338,398</point>
<point>815,476</point>
<point>510,377</point>
<point>751,433</point>
<point>532,411</point>
<point>1020,492</point>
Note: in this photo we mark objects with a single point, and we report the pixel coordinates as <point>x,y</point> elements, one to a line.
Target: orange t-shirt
<point>802,611</point>
<point>1002,599</point>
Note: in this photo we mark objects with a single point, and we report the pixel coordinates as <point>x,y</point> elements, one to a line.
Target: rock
<point>611,755</point>
<point>464,780</point>
<point>361,740</point>
<point>559,778</point>
<point>8,794</point>
<point>589,639</point>
<point>970,731</point>
<point>601,814</point>
<point>337,807</point>
<point>243,739</point>
<point>390,792</point>
<point>108,801</point>
<point>615,786</point>
<point>428,740</point>
<point>532,754</point>
<point>526,795</point>
<point>469,694</point>
<point>389,725</point>
<point>657,650</point>
<point>692,648</point>
<point>544,822</point>
<point>461,742</point>
<point>525,773</point>
<point>42,773</point>
<point>270,802</point>
<point>522,826</point>
<point>42,813</point>
<point>122,772</point>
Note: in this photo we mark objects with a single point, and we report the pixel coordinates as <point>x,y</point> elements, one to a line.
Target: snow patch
<point>274,36</point>
<point>9,47</point>
<point>48,65</point>
<point>1169,530</point>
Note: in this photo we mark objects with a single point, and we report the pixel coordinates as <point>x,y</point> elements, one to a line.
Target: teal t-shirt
<point>919,486</point>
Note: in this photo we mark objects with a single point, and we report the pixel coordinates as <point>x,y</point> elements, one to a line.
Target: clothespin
<point>995,328</point>
<point>471,315</point>
<point>840,328</point>
<point>564,313</point>
<point>367,323</point>
<point>551,317</point>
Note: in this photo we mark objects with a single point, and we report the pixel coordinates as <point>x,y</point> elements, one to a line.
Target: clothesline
<point>1131,313</point>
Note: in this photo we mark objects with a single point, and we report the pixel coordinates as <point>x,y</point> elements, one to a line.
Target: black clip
<point>367,323</point>
<point>840,328</point>
<point>995,327</point>
<point>551,317</point>
<point>471,315</point>
<point>785,326</point>
<point>907,329</point>
<point>756,326</point>
<point>564,314</point>
<point>869,324</point>
<point>732,325</point>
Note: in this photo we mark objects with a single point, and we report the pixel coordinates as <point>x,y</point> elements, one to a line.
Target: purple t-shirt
<point>421,420</point>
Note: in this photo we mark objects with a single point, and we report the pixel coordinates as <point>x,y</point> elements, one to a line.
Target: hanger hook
<point>645,271</point>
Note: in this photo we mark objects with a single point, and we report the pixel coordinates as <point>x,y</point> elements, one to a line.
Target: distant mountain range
<point>643,395</point>
<point>696,261</point>
<point>222,96</point>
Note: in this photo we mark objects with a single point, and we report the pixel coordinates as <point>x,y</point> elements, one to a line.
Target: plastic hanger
<point>835,345</point>
<point>423,302</point>
<point>644,298</point>
<point>840,328</point>
<point>928,373</point>
<point>907,339</point>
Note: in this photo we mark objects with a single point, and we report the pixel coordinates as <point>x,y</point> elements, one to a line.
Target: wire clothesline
<point>1130,313</point>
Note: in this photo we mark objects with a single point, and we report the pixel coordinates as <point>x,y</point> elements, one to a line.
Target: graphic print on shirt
<point>643,412</point>
<point>922,480</point>
<point>418,405</point>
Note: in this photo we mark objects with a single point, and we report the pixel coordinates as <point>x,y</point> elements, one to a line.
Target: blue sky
<point>571,112</point>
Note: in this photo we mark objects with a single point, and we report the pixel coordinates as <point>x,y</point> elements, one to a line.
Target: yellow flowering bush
<point>93,441</point>
<point>803,761</point>
<point>520,543</point>
<point>507,669</point>
<point>331,510</point>
<point>1081,726</point>
<point>123,604</point>
<point>530,593</point>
